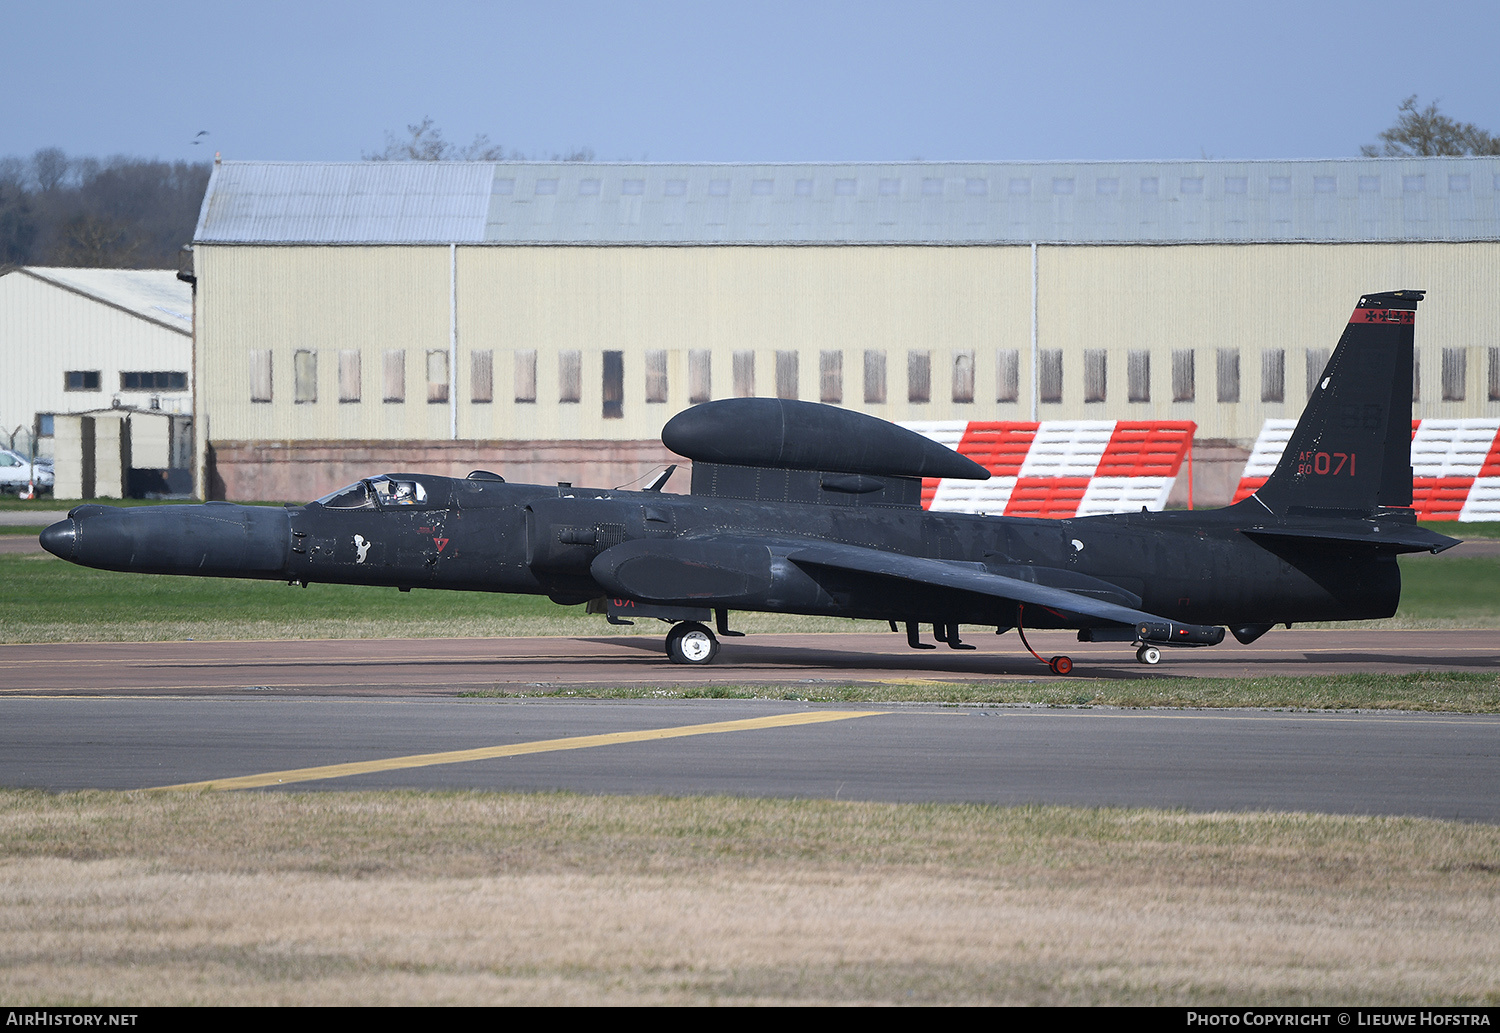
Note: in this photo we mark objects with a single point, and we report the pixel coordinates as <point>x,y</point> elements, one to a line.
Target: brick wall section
<point>297,471</point>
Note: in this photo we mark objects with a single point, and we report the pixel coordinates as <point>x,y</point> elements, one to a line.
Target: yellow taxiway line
<point>577,742</point>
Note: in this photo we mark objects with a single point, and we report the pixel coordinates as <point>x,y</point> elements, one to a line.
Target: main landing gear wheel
<point>691,643</point>
<point>1061,664</point>
<point>1148,655</point>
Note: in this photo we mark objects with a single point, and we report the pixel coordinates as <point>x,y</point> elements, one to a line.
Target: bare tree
<point>424,142</point>
<point>49,167</point>
<point>1428,133</point>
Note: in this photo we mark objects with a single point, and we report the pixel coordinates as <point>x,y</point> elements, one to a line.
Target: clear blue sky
<point>755,80</point>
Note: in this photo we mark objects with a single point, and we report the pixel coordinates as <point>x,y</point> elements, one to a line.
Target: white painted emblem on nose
<point>363,545</point>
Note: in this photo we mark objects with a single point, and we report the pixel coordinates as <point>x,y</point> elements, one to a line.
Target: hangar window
<point>786,374</point>
<point>976,187</point>
<point>1455,373</point>
<point>1107,185</point>
<point>1325,185</point>
<point>656,375</point>
<point>305,375</point>
<point>762,187</point>
<point>963,377</point>
<point>718,187</point>
<point>588,187</point>
<point>1416,376</point>
<point>1317,358</point>
<point>437,375</point>
<point>890,187</point>
<point>1049,369</point>
<point>831,376</point>
<point>1020,186</point>
<point>1191,185</point>
<point>614,385</point>
<point>1062,184</point>
<point>844,187</point>
<point>1458,184</point>
<point>1008,375</point>
<point>153,380</point>
<point>503,186</point>
<point>546,186</point>
<point>633,186</point>
<point>804,188</point>
<point>1236,184</point>
<point>482,376</point>
<point>700,375</point>
<point>394,375</point>
<point>1413,184</point>
<point>874,377</point>
<point>1184,378</point>
<point>1273,375</point>
<point>260,376</point>
<point>1229,374</point>
<point>86,379</point>
<point>1138,375</point>
<point>349,375</point>
<point>932,185</point>
<point>744,374</point>
<point>675,187</point>
<point>1369,184</point>
<point>569,375</point>
<point>1280,184</point>
<point>525,376</point>
<point>1149,185</point>
<point>1094,368</point>
<point>1495,374</point>
<point>918,376</point>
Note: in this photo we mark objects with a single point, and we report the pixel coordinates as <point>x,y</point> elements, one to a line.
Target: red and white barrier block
<point>1455,466</point>
<point>1059,468</point>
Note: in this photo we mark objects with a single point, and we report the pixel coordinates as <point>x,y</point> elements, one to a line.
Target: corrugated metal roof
<point>1356,199</point>
<point>154,294</point>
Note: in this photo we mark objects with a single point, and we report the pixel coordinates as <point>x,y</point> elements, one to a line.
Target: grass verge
<point>47,600</point>
<point>471,898</point>
<point>1449,692</point>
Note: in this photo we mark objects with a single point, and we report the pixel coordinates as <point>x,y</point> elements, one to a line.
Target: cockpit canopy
<point>382,492</point>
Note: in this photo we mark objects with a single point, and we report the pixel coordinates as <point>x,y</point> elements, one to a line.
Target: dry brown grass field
<point>387,898</point>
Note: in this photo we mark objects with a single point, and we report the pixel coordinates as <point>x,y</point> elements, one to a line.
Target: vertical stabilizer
<point>1351,451</point>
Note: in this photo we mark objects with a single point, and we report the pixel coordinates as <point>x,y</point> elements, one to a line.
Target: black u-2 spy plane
<point>802,508</point>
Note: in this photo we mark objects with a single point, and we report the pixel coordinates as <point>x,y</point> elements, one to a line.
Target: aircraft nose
<point>59,539</point>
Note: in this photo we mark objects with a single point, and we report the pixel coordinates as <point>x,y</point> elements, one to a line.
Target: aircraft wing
<point>973,577</point>
<point>740,573</point>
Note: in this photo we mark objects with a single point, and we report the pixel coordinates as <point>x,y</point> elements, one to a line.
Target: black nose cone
<point>59,539</point>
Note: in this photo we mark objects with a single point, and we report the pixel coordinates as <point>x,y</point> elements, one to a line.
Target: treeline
<point>114,213</point>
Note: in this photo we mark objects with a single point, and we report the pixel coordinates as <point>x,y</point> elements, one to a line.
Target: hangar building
<point>105,342</point>
<point>544,320</point>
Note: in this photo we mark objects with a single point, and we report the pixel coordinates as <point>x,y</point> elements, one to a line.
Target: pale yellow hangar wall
<point>1251,299</point>
<point>324,300</point>
<point>944,301</point>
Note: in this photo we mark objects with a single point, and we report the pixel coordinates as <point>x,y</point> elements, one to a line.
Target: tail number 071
<point>1326,464</point>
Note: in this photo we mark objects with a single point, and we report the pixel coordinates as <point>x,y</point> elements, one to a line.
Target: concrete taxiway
<point>446,667</point>
<point>1414,764</point>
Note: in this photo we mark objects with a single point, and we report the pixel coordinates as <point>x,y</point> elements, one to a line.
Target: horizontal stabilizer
<point>1400,538</point>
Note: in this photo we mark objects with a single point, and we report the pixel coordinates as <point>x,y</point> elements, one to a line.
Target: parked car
<point>16,472</point>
